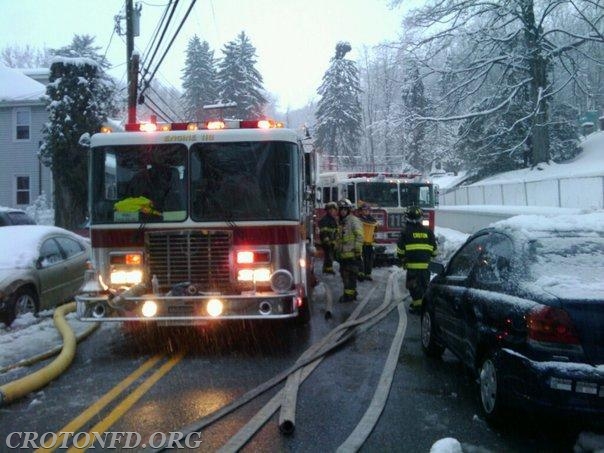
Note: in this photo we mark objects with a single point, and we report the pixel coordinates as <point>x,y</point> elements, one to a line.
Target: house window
<point>22,189</point>
<point>22,124</point>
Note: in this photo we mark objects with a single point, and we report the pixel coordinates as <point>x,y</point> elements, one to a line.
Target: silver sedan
<point>40,268</point>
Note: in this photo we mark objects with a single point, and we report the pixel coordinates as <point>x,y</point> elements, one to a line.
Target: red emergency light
<point>217,124</point>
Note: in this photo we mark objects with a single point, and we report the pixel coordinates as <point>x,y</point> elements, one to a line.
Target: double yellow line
<point>102,426</point>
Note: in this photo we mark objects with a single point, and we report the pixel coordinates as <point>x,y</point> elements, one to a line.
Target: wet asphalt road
<point>429,399</point>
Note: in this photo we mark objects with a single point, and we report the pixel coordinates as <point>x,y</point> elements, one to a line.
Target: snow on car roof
<point>19,244</point>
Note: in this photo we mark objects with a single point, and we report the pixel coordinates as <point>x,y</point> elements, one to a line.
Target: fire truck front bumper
<point>186,310</point>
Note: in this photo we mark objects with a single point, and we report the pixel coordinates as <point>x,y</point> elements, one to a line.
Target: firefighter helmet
<point>344,203</point>
<point>414,214</point>
<point>331,205</point>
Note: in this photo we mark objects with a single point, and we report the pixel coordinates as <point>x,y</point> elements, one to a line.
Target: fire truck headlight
<point>214,307</point>
<point>261,274</point>
<point>281,281</point>
<point>426,222</point>
<point>126,277</point>
<point>149,309</point>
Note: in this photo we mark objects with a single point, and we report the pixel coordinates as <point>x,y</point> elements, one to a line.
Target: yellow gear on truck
<point>136,204</point>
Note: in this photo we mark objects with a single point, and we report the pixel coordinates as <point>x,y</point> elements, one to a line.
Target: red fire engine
<point>196,222</point>
<point>388,194</point>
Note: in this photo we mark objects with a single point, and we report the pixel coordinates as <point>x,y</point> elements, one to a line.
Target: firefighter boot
<point>416,306</point>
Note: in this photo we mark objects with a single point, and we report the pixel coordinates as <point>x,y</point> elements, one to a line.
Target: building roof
<point>16,86</point>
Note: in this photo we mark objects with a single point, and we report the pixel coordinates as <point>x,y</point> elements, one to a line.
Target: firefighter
<point>348,249</point>
<point>369,224</point>
<point>415,248</point>
<point>328,226</point>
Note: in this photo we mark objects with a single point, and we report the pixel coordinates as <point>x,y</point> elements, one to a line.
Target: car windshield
<point>244,181</point>
<point>568,266</point>
<point>138,183</point>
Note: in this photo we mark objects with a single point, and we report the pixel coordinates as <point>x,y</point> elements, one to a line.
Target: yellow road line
<point>128,402</point>
<point>91,411</point>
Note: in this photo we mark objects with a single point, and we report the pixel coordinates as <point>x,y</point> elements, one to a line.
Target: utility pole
<point>132,59</point>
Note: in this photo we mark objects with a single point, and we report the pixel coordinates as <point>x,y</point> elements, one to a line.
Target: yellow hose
<point>16,389</point>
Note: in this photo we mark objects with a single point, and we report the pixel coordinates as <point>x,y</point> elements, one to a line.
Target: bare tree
<point>25,57</point>
<point>502,55</point>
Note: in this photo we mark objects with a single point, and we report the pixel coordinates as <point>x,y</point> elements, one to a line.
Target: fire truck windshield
<point>245,181</point>
<point>379,194</point>
<point>135,183</point>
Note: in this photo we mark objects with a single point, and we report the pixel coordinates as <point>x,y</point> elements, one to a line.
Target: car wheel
<point>490,388</point>
<point>26,301</point>
<point>429,345</point>
<point>23,301</point>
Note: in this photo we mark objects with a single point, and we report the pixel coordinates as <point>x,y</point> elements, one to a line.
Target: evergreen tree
<point>414,105</point>
<point>339,113</point>
<point>239,80</point>
<point>83,46</point>
<point>199,79</point>
<point>79,99</point>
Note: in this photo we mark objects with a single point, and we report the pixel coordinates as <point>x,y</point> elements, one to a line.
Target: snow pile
<point>590,162</point>
<point>31,335</point>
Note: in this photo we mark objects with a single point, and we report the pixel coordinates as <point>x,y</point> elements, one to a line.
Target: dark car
<point>522,306</point>
<point>10,216</point>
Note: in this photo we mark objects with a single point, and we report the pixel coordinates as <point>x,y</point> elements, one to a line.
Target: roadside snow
<point>29,336</point>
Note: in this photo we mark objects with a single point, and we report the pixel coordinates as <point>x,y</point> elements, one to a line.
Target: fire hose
<point>16,389</point>
<point>310,358</point>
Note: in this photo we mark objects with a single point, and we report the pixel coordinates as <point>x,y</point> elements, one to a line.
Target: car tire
<point>429,345</point>
<point>22,301</point>
<point>491,399</point>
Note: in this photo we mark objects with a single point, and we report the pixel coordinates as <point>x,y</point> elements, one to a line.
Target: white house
<point>22,115</point>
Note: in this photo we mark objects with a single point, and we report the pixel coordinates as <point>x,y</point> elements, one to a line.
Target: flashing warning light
<point>106,130</point>
<point>165,127</point>
<point>213,125</point>
<point>264,124</point>
<point>192,126</point>
<point>148,127</point>
<point>134,259</point>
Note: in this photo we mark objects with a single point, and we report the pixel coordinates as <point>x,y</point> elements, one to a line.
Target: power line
<point>150,62</point>
<point>169,45</point>
<point>156,31</point>
<point>164,115</point>
<point>166,104</point>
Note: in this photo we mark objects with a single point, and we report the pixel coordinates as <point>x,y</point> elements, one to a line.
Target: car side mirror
<point>436,268</point>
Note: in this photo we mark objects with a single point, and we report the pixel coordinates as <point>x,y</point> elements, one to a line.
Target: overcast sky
<point>294,39</point>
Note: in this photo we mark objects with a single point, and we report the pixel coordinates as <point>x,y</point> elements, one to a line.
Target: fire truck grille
<point>197,257</point>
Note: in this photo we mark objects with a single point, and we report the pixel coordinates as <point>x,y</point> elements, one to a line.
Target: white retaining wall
<point>578,192</point>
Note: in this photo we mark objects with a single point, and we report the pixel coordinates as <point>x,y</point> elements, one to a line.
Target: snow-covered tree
<point>83,46</point>
<point>25,57</point>
<point>339,115</point>
<point>78,99</point>
<point>199,79</point>
<point>513,58</point>
<point>239,80</point>
<point>414,105</point>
